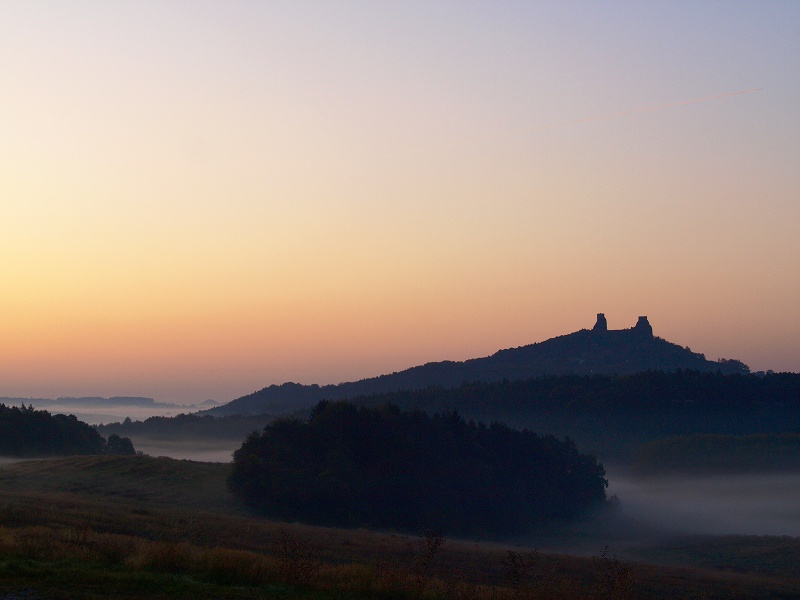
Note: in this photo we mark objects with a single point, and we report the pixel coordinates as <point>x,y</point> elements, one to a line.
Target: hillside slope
<point>584,352</point>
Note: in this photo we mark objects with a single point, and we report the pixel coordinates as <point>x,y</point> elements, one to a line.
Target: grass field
<point>141,527</point>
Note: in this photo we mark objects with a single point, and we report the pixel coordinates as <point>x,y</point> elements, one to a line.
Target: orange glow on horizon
<point>200,203</point>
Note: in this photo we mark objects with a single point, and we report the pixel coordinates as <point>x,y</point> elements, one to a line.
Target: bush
<point>119,446</point>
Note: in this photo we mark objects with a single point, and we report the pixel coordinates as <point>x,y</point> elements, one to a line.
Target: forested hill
<point>26,432</point>
<point>611,416</point>
<point>584,352</point>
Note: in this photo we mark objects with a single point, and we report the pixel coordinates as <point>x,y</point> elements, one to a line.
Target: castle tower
<point>601,326</point>
<point>643,327</point>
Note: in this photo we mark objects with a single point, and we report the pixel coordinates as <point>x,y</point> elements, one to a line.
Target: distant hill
<point>66,402</point>
<point>598,351</point>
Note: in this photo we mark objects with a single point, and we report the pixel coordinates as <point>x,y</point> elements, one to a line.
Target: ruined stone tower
<point>601,326</point>
<point>643,327</point>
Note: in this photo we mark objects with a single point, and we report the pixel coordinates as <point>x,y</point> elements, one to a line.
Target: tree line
<point>713,453</point>
<point>612,415</point>
<point>382,467</point>
<point>25,431</point>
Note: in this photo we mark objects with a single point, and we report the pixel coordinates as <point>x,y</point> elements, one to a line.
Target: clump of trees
<point>119,446</point>
<point>385,468</point>
<point>25,431</point>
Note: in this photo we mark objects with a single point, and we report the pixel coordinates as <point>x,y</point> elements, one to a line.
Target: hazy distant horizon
<point>188,400</point>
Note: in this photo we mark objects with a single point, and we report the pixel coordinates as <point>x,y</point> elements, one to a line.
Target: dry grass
<point>289,562</point>
<point>119,522</point>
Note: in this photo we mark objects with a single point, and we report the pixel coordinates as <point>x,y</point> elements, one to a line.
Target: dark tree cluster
<point>25,431</point>
<point>385,468</point>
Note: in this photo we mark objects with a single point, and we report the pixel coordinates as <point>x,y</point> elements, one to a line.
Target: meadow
<point>143,527</point>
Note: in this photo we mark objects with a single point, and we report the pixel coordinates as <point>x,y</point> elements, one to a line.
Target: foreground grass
<point>84,564</point>
<point>138,527</point>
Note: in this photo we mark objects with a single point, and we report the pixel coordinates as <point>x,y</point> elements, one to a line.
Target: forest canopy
<point>611,416</point>
<point>25,431</point>
<point>385,468</point>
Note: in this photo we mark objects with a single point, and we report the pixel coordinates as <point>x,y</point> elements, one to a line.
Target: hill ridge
<point>596,351</point>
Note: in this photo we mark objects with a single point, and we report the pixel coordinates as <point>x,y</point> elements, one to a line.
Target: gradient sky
<point>199,199</point>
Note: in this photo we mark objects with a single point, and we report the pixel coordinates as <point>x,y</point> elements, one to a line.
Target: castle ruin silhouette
<point>641,329</point>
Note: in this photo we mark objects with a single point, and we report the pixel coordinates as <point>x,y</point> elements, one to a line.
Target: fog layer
<point>205,451</point>
<point>716,504</point>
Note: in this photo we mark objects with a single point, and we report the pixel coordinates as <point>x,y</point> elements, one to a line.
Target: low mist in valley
<point>666,519</point>
<point>751,504</point>
<point>205,451</point>
<point>747,504</point>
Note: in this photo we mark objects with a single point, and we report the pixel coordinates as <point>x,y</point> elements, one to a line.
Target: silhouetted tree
<point>117,445</point>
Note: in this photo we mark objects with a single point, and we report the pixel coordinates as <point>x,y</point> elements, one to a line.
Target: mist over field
<point>205,451</point>
<point>669,504</point>
<point>714,504</point>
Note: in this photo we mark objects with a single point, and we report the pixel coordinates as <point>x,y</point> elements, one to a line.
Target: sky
<point>199,199</point>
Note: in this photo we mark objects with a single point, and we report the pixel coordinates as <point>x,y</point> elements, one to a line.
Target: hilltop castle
<point>642,327</point>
